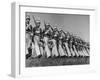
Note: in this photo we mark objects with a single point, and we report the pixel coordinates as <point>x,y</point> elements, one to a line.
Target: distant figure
<point>87,48</point>
<point>83,48</point>
<point>74,46</point>
<point>79,48</point>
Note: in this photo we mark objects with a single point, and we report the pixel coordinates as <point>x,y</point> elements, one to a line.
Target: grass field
<point>38,62</point>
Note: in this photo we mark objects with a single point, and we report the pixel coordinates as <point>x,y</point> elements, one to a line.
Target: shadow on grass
<point>38,62</point>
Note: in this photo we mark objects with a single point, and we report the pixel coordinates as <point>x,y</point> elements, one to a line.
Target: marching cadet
<point>75,46</point>
<point>47,34</point>
<point>80,48</point>
<point>67,36</point>
<point>64,42</point>
<point>71,41</point>
<point>87,47</point>
<point>28,33</point>
<point>36,38</point>
<point>84,49</point>
<point>61,47</point>
<point>55,52</point>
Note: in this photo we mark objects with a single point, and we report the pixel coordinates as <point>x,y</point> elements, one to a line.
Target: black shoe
<point>39,56</point>
<point>28,55</point>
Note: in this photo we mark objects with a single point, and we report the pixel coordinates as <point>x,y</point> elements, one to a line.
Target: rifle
<point>34,20</point>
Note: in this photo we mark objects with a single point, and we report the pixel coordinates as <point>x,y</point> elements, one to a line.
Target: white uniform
<point>41,49</point>
<point>47,50</point>
<point>68,51</point>
<point>33,50</point>
<point>36,45</point>
<point>28,41</point>
<point>61,50</point>
<point>54,49</point>
<point>75,51</point>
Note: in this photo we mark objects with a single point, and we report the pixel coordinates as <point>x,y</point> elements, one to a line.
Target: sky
<point>73,23</point>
